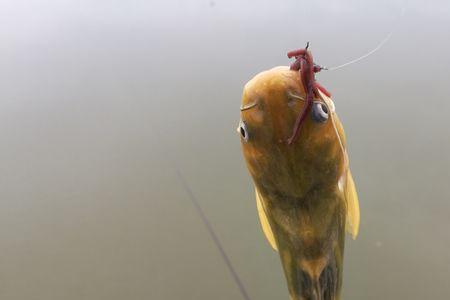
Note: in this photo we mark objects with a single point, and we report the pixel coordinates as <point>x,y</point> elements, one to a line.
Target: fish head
<point>271,102</point>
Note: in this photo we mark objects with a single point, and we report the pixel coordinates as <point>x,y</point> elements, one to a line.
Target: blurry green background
<point>101,102</point>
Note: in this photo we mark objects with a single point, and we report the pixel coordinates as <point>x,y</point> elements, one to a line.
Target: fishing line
<point>213,235</point>
<point>186,187</point>
<point>327,101</point>
<point>378,47</point>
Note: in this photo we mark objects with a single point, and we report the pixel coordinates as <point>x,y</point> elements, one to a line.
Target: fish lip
<point>297,97</point>
<point>248,106</point>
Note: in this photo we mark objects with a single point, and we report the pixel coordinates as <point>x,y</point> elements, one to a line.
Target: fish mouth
<point>295,96</point>
<point>248,106</point>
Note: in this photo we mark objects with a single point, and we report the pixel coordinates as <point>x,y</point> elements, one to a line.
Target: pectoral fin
<point>264,221</point>
<point>351,197</point>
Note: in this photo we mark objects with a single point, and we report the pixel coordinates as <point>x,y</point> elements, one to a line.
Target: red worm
<point>296,53</point>
<point>322,89</point>
<point>304,63</point>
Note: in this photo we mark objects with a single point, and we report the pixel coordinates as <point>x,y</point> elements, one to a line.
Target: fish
<point>295,150</point>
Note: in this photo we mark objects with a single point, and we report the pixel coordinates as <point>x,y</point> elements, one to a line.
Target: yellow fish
<point>305,193</point>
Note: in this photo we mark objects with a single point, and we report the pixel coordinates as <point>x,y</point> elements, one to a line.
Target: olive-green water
<point>102,101</point>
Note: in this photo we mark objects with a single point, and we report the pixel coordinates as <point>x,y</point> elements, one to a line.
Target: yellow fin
<point>264,222</point>
<point>352,219</point>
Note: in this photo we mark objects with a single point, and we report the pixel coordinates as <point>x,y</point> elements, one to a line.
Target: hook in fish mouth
<point>248,106</point>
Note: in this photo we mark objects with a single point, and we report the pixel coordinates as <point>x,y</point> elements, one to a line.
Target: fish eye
<point>319,112</point>
<point>242,129</point>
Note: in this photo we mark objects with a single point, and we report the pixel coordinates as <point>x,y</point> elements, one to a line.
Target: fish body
<point>305,193</point>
